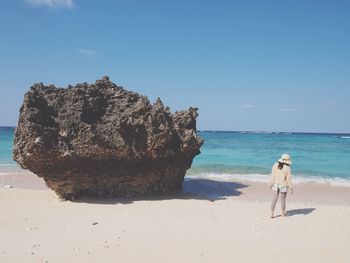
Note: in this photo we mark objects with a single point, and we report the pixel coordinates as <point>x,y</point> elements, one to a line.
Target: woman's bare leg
<point>274,201</point>
<point>283,203</point>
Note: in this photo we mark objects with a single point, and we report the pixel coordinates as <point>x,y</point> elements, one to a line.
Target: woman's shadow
<point>301,211</point>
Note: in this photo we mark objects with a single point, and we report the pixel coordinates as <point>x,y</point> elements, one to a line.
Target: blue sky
<point>247,65</point>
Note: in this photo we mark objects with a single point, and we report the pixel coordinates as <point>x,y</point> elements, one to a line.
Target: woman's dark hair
<point>280,165</point>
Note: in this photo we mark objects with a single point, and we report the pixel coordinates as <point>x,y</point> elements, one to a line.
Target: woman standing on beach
<point>281,182</point>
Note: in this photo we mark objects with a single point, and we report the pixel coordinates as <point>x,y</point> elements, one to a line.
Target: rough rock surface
<point>101,140</point>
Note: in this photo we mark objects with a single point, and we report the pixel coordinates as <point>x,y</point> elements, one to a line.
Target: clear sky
<point>279,65</point>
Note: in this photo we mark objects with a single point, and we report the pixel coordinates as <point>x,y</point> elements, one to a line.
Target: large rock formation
<point>101,140</point>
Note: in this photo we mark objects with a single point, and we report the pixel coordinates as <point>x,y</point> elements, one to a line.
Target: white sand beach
<point>212,222</point>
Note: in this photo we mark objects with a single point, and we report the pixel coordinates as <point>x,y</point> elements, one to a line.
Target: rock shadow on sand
<point>211,189</point>
<point>193,189</point>
<point>301,211</point>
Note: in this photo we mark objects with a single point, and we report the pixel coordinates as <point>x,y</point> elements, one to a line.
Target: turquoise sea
<point>323,158</point>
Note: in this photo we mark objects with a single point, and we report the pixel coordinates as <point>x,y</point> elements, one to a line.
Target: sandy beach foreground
<point>212,221</point>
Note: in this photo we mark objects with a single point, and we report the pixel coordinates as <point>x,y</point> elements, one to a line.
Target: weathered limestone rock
<point>101,140</point>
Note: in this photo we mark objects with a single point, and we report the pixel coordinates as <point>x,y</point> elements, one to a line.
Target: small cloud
<point>289,109</point>
<point>86,52</point>
<point>248,106</point>
<point>51,3</point>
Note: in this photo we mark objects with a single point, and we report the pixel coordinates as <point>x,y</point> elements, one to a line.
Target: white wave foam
<point>345,137</point>
<point>8,165</point>
<point>11,170</point>
<point>264,178</point>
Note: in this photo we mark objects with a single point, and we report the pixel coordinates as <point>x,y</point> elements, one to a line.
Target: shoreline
<point>10,169</point>
<point>215,188</point>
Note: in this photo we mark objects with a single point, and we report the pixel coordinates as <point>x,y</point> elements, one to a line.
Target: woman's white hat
<point>285,158</point>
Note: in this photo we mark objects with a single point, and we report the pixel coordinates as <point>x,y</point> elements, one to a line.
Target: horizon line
<point>246,131</point>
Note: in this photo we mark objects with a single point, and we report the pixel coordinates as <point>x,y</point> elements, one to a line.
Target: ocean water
<point>322,158</point>
<point>6,142</point>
